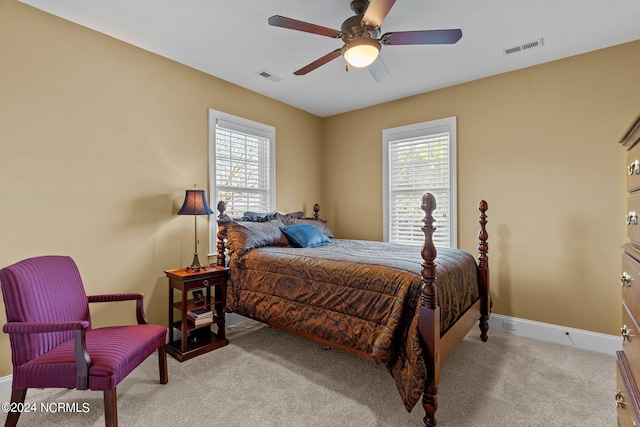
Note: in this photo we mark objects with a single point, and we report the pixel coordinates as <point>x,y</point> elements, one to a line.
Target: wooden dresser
<point>628,394</point>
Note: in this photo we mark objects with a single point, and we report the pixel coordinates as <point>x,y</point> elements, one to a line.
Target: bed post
<point>220,260</point>
<point>429,317</point>
<point>483,272</point>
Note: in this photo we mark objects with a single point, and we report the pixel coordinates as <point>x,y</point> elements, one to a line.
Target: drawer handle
<point>620,400</point>
<point>634,167</point>
<point>206,282</point>
<point>625,279</point>
<point>632,218</point>
<point>625,332</point>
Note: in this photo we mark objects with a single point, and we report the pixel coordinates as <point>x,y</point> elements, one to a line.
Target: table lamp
<point>195,203</point>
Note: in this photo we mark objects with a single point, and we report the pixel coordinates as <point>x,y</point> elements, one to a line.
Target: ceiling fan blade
<point>318,62</point>
<point>376,12</point>
<point>379,70</point>
<point>421,37</point>
<point>293,24</point>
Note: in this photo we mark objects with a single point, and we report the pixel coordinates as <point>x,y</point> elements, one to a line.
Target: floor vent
<point>525,46</point>
<point>269,76</point>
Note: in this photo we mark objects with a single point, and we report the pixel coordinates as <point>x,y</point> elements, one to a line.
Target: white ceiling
<point>232,40</point>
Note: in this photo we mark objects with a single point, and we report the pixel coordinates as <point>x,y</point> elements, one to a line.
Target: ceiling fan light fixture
<point>361,53</point>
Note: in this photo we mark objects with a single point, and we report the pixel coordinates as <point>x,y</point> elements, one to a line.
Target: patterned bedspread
<point>361,294</point>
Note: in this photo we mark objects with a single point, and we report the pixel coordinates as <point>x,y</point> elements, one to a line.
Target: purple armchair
<point>52,342</point>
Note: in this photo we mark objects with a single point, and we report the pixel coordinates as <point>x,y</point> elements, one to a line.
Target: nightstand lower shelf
<point>202,345</point>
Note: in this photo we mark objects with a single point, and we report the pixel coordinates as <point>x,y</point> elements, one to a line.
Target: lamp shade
<point>195,203</point>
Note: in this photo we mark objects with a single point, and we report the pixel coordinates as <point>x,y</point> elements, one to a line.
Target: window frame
<point>242,125</point>
<point>423,129</point>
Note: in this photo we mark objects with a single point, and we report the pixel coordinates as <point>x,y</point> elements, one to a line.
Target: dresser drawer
<point>626,396</point>
<point>632,218</point>
<point>631,343</point>
<point>633,168</point>
<point>625,413</point>
<point>630,283</point>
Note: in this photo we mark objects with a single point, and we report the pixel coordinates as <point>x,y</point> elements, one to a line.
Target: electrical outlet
<point>509,326</point>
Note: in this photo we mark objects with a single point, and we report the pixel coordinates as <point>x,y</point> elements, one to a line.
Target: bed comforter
<point>361,294</point>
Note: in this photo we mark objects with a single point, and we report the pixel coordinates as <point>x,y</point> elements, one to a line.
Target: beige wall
<point>541,146</point>
<point>98,142</point>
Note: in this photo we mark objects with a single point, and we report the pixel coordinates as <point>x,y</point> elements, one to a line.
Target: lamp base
<point>195,265</point>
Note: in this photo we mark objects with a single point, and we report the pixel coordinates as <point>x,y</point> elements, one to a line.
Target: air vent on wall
<point>525,46</point>
<point>269,76</point>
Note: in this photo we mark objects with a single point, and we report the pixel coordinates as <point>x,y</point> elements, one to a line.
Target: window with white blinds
<point>420,158</point>
<point>242,163</point>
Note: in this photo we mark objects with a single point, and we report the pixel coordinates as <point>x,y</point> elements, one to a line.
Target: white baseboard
<point>593,341</point>
<point>5,388</point>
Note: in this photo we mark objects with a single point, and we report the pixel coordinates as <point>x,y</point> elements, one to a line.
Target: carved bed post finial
<point>316,211</point>
<point>429,290</point>
<point>222,206</point>
<point>220,260</point>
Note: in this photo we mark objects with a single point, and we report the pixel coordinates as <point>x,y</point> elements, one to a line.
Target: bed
<point>395,305</point>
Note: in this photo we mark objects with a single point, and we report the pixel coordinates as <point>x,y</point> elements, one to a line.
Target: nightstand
<point>204,291</point>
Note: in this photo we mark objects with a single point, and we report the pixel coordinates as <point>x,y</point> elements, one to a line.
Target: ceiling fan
<point>361,37</point>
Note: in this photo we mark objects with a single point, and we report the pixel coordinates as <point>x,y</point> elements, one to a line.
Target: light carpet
<point>266,377</point>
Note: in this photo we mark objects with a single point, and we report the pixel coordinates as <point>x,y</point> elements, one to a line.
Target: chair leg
<point>110,408</point>
<point>162,364</point>
<point>17,396</point>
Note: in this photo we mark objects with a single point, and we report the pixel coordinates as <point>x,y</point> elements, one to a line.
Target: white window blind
<point>419,159</point>
<point>243,164</point>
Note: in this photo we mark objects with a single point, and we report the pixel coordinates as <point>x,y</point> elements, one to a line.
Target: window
<point>242,164</point>
<point>420,158</point>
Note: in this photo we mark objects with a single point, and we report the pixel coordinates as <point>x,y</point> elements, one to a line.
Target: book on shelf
<point>200,313</point>
<point>202,321</point>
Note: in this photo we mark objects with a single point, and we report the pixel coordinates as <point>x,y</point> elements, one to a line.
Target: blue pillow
<point>305,236</point>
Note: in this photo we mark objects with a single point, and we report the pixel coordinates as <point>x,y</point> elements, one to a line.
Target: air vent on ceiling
<point>525,46</point>
<point>269,76</point>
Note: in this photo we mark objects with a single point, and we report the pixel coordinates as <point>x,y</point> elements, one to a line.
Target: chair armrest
<point>39,327</point>
<point>115,297</point>
<point>83,361</point>
<point>140,316</point>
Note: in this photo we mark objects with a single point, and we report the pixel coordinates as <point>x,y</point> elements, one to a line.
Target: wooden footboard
<point>437,348</point>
